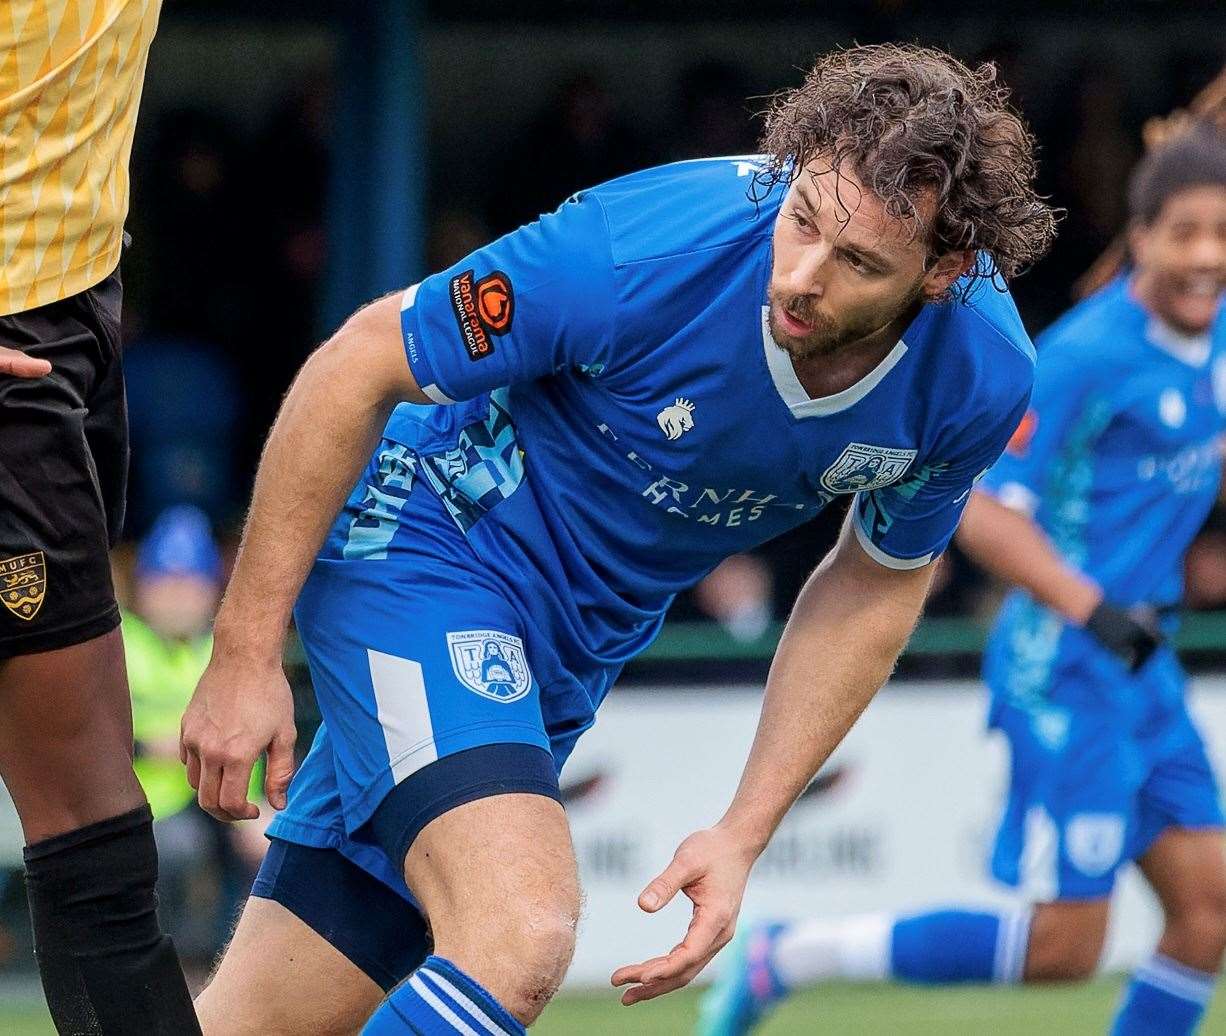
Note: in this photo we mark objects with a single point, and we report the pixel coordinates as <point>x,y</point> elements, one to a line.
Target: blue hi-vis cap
<point>179,544</point>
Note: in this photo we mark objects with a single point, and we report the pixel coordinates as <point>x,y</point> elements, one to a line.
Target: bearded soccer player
<point>670,368</point>
<point>70,85</point>
<point>1089,513</point>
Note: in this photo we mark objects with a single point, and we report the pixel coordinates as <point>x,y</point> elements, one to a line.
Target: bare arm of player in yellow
<point>328,426</point>
<point>1009,544</point>
<point>849,625</point>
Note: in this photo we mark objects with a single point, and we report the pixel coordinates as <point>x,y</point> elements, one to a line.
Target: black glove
<point>1131,635</point>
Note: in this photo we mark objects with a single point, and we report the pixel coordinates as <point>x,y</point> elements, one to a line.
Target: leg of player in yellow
<point>498,880</point>
<point>66,758</point>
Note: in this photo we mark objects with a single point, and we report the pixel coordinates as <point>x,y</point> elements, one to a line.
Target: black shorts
<point>63,473</point>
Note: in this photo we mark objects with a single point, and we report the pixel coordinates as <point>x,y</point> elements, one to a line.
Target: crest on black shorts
<point>23,584</point>
<point>491,663</point>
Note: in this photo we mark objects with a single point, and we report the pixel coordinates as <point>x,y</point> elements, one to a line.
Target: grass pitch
<point>845,1010</point>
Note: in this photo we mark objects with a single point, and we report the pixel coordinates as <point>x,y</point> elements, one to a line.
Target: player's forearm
<point>838,649</point>
<point>1013,548</point>
<point>328,426</point>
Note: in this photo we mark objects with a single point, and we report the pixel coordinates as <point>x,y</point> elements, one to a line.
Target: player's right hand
<point>1133,636</point>
<point>237,712</point>
<point>17,364</point>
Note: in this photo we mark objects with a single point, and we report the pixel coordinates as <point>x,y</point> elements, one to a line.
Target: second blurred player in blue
<point>1089,513</point>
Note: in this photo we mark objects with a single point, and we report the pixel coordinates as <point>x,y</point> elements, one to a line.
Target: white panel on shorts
<point>1040,856</point>
<point>404,712</point>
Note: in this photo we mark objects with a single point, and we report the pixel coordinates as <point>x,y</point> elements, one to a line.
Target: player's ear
<point>1138,241</point>
<point>946,269</point>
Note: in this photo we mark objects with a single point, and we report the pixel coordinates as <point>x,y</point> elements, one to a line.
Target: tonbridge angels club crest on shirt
<point>490,663</point>
<point>861,466</point>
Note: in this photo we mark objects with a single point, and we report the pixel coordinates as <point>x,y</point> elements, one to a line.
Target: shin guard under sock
<point>106,967</point>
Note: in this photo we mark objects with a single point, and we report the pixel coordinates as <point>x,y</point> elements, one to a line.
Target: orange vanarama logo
<point>23,584</point>
<point>495,302</point>
<point>481,309</point>
<point>1019,443</point>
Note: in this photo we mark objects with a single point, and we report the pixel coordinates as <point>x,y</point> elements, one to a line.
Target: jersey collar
<point>1193,350</point>
<point>798,401</point>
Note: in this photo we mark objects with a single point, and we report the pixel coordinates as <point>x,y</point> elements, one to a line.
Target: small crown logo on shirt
<point>677,419</point>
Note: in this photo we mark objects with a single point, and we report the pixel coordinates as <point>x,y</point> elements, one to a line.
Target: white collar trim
<point>783,374</point>
<point>1193,350</point>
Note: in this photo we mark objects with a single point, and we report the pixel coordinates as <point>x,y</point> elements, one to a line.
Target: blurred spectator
<point>168,641</point>
<point>714,109</point>
<point>738,595</point>
<point>185,406</point>
<point>194,238</point>
<point>289,174</point>
<point>578,140</point>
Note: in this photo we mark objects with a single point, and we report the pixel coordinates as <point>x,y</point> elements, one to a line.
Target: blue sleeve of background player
<point>908,524</point>
<point>535,301</point>
<point>1064,391</point>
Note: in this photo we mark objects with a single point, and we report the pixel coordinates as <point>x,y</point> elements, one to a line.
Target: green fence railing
<point>935,636</point>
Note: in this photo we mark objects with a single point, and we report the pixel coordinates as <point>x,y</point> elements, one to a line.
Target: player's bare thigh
<point>279,977</point>
<point>498,881</point>
<point>66,736</point>
<point>1187,869</point>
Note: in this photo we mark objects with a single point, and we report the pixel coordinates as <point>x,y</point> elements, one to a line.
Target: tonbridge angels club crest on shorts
<point>23,584</point>
<point>490,663</point>
<point>861,466</point>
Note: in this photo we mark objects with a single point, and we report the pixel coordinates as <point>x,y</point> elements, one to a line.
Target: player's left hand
<point>711,867</point>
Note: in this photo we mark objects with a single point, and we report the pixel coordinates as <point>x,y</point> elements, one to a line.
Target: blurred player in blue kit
<point>671,368</point>
<point>1089,514</point>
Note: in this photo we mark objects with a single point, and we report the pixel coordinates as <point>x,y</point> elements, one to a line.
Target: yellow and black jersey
<point>71,73</point>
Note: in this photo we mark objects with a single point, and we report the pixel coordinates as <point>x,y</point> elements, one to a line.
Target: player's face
<point>843,267</point>
<point>1181,258</point>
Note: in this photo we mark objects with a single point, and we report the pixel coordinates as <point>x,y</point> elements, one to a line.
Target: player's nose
<point>808,275</point>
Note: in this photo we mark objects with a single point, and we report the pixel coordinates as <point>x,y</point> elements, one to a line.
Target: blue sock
<point>1164,997</point>
<point>438,999</point>
<point>960,946</point>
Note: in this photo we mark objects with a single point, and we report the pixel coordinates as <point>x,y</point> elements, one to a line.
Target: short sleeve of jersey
<point>1063,387</point>
<point>537,300</point>
<point>909,524</point>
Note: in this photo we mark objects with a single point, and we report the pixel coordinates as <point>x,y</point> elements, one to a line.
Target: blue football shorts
<point>1091,789</point>
<point>434,687</point>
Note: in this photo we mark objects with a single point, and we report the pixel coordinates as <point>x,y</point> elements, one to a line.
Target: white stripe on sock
<point>1177,979</point>
<point>1012,938</point>
<point>440,1008</point>
<point>465,1002</point>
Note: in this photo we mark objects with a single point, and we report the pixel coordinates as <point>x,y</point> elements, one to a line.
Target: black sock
<point>106,967</point>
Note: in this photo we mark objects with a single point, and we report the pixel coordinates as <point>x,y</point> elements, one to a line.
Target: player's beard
<point>827,337</point>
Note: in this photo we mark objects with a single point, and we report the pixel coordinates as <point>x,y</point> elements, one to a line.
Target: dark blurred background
<point>288,170</point>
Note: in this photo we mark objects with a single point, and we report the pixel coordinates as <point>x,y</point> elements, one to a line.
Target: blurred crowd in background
<point>231,252</point>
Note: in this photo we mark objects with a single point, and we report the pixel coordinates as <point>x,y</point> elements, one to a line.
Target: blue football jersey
<point>644,425</point>
<point>1119,461</point>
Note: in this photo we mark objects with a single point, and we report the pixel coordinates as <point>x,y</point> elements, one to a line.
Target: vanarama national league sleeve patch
<point>481,310</point>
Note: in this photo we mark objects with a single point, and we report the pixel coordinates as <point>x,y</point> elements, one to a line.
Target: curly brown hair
<point>911,119</point>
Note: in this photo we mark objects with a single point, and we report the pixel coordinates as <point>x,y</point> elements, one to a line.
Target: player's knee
<point>550,946</point>
<point>1066,942</point>
<point>541,942</point>
<point>523,959</point>
<point>1200,924</point>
